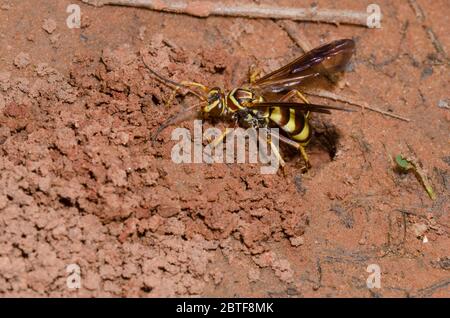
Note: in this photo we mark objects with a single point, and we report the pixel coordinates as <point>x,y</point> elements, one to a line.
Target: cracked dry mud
<point>81,183</point>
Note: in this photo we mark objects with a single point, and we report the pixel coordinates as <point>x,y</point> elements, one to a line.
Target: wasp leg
<point>287,96</point>
<point>277,154</point>
<point>172,96</point>
<point>214,143</point>
<point>293,93</point>
<point>186,85</point>
<point>302,97</point>
<point>297,146</point>
<point>195,84</point>
<point>254,73</point>
<point>305,157</point>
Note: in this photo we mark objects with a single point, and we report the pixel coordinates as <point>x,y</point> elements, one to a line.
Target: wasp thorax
<point>215,99</point>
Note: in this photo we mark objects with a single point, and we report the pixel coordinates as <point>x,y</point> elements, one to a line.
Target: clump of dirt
<point>79,166</point>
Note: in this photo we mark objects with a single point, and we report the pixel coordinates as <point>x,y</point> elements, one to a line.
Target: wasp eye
<point>213,96</point>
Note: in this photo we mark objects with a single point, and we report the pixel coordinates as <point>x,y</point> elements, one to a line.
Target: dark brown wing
<point>324,60</point>
<point>325,109</point>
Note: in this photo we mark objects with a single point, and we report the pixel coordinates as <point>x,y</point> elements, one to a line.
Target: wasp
<point>268,101</point>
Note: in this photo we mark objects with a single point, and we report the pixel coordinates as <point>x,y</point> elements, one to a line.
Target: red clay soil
<point>81,183</point>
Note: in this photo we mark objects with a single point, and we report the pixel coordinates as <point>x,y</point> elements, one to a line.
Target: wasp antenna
<point>162,78</point>
<point>177,85</point>
<point>177,118</point>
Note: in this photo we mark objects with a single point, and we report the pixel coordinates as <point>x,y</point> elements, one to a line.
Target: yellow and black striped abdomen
<point>292,121</point>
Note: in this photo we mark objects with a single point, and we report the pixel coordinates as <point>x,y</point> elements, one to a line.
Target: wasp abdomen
<point>292,121</point>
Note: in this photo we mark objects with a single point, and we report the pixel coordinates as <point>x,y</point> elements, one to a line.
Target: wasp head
<point>216,103</point>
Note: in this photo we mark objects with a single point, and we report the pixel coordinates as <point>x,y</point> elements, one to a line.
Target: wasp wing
<point>324,60</point>
<point>325,109</point>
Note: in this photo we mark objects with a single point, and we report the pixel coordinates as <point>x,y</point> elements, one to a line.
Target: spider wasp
<point>267,101</point>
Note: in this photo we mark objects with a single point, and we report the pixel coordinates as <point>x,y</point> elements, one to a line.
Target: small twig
<point>318,284</point>
<point>430,290</point>
<point>212,8</point>
<point>326,94</point>
<point>417,10</point>
<point>412,164</point>
<point>411,213</point>
<point>420,15</point>
<point>296,34</point>
<point>436,43</point>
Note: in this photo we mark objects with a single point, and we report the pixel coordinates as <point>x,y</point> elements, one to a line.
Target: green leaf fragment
<point>407,165</point>
<point>430,191</point>
<point>403,163</point>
